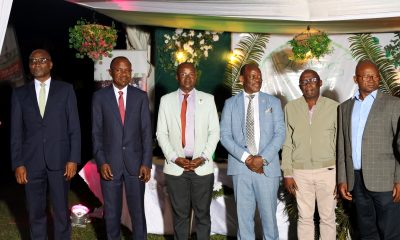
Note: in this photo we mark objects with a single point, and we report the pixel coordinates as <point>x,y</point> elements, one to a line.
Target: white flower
<point>166,41</point>
<point>199,35</point>
<point>202,41</point>
<point>191,33</point>
<point>190,60</point>
<point>185,46</point>
<point>178,44</point>
<point>178,31</point>
<point>217,186</point>
<point>190,50</point>
<point>207,32</point>
<point>176,64</point>
<point>215,37</point>
<point>184,34</point>
<point>174,37</point>
<point>191,42</point>
<point>167,36</point>
<point>206,53</point>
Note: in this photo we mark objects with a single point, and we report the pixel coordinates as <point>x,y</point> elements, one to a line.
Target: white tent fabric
<point>5,9</point>
<point>271,16</point>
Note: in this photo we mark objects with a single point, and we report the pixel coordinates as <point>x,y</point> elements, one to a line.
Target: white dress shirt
<point>256,121</point>
<point>37,88</point>
<point>116,92</point>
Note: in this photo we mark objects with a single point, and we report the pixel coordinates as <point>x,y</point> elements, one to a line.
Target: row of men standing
<point>46,150</point>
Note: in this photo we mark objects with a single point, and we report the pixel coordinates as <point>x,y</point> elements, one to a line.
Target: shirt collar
<point>47,82</point>
<point>357,95</point>
<point>247,94</point>
<point>181,93</point>
<point>124,90</point>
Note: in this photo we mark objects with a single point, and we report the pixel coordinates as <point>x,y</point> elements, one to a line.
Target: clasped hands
<point>106,173</point>
<point>189,165</point>
<point>255,164</point>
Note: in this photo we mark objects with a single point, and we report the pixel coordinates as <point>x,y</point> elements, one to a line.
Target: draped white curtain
<point>5,9</point>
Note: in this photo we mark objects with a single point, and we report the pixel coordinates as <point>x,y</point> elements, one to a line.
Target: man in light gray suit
<point>368,164</point>
<point>253,131</point>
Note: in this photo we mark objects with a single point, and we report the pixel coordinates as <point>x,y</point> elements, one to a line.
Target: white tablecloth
<point>158,208</point>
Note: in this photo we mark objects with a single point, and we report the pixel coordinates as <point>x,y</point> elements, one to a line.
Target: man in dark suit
<point>45,145</point>
<point>122,145</point>
<point>368,164</point>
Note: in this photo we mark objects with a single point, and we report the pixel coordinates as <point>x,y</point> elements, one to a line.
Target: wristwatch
<point>265,162</point>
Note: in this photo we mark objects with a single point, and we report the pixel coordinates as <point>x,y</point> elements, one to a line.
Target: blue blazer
<point>128,145</point>
<point>272,133</point>
<point>50,141</point>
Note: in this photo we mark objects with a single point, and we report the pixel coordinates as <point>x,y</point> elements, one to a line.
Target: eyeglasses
<point>368,77</point>
<point>311,81</point>
<point>38,60</point>
<point>121,70</point>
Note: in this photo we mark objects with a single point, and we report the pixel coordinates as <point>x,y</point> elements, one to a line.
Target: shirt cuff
<point>205,157</point>
<point>244,156</point>
<point>173,158</point>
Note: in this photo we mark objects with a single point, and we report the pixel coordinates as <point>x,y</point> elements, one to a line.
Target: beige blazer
<point>380,144</point>
<point>206,129</point>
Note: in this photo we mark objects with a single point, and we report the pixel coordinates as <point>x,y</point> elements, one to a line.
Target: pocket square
<point>268,110</point>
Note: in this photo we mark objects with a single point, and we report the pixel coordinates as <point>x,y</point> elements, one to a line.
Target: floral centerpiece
<point>92,40</point>
<point>310,44</point>
<point>186,46</point>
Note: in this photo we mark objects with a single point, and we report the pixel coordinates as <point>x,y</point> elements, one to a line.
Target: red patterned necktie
<point>121,106</point>
<point>183,118</point>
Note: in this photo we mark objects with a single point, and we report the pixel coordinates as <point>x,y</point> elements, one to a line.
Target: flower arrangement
<point>218,190</point>
<point>310,44</point>
<point>186,46</point>
<point>93,40</point>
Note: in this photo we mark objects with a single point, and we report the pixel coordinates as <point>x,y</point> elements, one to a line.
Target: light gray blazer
<point>380,143</point>
<point>169,131</point>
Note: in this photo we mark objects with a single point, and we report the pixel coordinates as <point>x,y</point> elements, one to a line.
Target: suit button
<point>123,148</point>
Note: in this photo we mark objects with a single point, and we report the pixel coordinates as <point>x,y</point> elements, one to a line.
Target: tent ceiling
<point>269,16</point>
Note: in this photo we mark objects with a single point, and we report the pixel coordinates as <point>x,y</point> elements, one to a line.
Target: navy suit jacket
<point>128,145</point>
<point>50,141</point>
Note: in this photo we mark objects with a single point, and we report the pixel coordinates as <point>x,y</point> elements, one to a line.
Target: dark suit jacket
<point>128,145</point>
<point>50,141</point>
<point>380,143</point>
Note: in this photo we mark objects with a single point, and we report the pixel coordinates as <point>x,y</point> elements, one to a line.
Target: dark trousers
<point>377,214</point>
<point>188,191</point>
<point>112,193</point>
<point>39,182</point>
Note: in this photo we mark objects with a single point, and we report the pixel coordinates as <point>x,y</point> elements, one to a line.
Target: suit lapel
<point>347,115</point>
<point>113,103</point>
<point>376,110</point>
<point>263,105</point>
<point>129,108</point>
<point>34,100</point>
<point>241,112</point>
<point>176,111</point>
<point>51,98</point>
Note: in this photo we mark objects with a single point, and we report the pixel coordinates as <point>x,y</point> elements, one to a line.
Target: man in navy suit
<point>122,146</point>
<point>45,145</point>
<point>253,131</point>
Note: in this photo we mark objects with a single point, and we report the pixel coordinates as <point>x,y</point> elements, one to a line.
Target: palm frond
<point>366,47</point>
<point>251,50</point>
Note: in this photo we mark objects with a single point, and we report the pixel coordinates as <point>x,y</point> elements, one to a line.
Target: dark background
<point>45,24</point>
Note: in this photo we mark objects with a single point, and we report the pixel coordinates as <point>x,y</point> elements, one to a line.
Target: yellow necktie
<point>42,98</point>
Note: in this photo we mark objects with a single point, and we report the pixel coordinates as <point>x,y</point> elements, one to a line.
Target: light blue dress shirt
<point>359,118</point>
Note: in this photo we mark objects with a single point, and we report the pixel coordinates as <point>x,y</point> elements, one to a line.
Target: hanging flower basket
<point>310,44</point>
<point>92,40</point>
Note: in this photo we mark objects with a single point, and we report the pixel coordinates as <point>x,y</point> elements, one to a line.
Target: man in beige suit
<point>188,133</point>
<point>368,163</point>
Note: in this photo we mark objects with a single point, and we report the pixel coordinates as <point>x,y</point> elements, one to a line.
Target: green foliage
<point>309,45</point>
<point>393,50</point>
<point>366,47</point>
<point>93,40</point>
<point>250,49</point>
